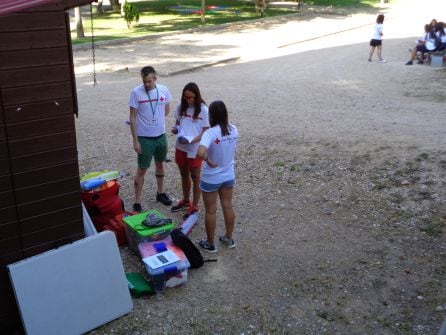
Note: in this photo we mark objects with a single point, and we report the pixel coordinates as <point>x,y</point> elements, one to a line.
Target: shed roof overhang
<point>12,6</point>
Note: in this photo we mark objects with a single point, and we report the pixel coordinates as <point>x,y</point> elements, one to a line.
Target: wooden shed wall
<point>40,203</point>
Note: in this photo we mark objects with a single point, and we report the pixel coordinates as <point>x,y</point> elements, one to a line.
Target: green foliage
<point>344,3</point>
<point>131,13</point>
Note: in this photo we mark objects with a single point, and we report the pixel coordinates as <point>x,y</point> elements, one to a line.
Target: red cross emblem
<point>217,141</point>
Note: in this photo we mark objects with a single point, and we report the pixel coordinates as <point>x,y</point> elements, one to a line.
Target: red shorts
<point>182,160</point>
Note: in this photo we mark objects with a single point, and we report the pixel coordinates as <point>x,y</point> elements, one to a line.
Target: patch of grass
<point>405,327</point>
<point>156,16</point>
<point>434,228</point>
<point>397,198</point>
<point>400,216</point>
<point>383,321</point>
<point>343,3</point>
<point>168,15</point>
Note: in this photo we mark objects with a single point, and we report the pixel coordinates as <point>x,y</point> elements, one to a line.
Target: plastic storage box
<point>137,232</point>
<point>169,275</point>
<point>117,226</point>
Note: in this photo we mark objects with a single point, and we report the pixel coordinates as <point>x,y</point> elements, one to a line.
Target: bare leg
<point>372,50</point>
<point>185,181</point>
<point>139,183</point>
<point>228,211</point>
<point>159,174</point>
<point>413,54</point>
<point>195,175</point>
<point>378,51</point>
<point>210,217</point>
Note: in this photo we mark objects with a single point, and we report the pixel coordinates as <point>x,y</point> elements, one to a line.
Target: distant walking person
<point>149,105</point>
<point>217,149</point>
<point>377,39</point>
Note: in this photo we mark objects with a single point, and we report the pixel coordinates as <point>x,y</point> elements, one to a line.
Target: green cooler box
<point>137,232</point>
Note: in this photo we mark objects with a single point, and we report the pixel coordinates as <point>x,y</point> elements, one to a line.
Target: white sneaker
<point>382,61</point>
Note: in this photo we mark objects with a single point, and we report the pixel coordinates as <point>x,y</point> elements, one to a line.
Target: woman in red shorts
<point>192,120</point>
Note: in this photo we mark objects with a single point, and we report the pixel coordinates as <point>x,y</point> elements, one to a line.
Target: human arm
<point>188,140</point>
<point>198,138</point>
<point>203,154</point>
<point>422,40</point>
<point>203,120</point>
<point>166,109</point>
<point>176,127</point>
<point>136,144</point>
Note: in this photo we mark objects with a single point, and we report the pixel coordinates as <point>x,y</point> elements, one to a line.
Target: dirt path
<point>341,175</point>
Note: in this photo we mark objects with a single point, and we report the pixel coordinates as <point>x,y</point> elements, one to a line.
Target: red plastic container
<point>103,204</point>
<point>103,196</point>
<point>118,229</point>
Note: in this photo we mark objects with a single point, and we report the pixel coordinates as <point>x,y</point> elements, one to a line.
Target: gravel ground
<point>341,172</point>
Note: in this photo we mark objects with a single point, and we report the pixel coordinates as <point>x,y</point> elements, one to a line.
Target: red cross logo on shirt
<point>217,141</point>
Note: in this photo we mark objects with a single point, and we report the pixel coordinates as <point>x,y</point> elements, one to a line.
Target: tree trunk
<point>99,7</point>
<point>115,5</point>
<point>79,25</point>
<point>261,5</point>
<point>203,10</point>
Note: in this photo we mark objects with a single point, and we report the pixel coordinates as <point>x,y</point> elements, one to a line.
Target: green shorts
<point>155,147</point>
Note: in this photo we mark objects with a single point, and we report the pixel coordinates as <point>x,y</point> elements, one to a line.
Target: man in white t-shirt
<point>149,105</point>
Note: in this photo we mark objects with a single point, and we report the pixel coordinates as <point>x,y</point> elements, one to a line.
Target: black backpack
<point>190,250</point>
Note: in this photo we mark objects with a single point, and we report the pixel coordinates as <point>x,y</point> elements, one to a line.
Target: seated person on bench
<point>425,45</point>
<point>440,31</point>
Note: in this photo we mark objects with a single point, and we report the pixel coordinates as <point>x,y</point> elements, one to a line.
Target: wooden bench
<point>436,58</point>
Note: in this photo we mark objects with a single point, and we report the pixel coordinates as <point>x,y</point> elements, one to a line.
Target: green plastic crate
<point>137,232</point>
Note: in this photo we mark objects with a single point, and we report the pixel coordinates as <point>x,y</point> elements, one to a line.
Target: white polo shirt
<point>191,127</point>
<point>377,32</point>
<point>221,150</point>
<point>150,109</point>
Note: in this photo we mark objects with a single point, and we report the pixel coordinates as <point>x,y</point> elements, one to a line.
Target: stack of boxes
<point>148,241</point>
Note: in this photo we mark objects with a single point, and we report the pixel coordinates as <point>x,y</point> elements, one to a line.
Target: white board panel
<point>72,289</point>
<point>89,228</point>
